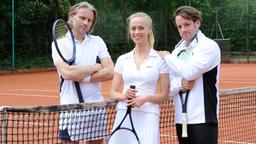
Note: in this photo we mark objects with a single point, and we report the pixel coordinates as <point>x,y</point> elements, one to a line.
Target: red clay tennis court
<point>237,114</point>
<point>41,88</point>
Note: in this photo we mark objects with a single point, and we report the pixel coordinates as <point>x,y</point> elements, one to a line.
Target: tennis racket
<point>184,55</point>
<point>125,131</point>
<point>61,33</point>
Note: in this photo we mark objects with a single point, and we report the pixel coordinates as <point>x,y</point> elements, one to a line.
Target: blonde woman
<point>145,69</point>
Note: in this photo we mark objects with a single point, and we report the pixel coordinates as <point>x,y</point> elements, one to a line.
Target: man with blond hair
<point>82,18</point>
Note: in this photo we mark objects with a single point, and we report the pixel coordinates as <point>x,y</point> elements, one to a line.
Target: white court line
<point>231,81</point>
<point>28,95</point>
<point>233,142</point>
<point>103,93</point>
<point>241,107</point>
<point>35,124</point>
<point>166,135</point>
<point>32,90</point>
<point>248,79</point>
<point>8,92</point>
<point>222,141</point>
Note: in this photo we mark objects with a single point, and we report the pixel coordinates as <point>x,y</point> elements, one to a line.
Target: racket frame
<point>72,59</point>
<point>119,127</point>
<point>54,37</point>
<point>184,112</point>
<point>184,133</point>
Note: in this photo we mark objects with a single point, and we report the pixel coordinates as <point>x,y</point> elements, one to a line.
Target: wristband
<point>87,79</point>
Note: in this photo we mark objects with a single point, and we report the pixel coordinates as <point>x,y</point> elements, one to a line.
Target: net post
<point>13,41</point>
<point>4,126</point>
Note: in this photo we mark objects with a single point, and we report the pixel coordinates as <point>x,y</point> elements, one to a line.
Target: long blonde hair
<point>73,11</point>
<point>151,39</point>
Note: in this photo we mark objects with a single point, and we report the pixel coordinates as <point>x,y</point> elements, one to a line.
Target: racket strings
<point>65,47</point>
<point>61,30</point>
<point>123,136</point>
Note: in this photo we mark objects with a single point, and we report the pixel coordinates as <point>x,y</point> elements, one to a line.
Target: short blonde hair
<point>151,39</point>
<point>74,8</point>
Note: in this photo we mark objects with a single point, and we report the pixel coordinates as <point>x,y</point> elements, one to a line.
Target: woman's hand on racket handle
<point>129,95</point>
<point>187,84</point>
<point>138,101</point>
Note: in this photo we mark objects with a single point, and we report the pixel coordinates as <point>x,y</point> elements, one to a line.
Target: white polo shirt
<point>86,53</point>
<point>145,79</point>
<point>204,67</point>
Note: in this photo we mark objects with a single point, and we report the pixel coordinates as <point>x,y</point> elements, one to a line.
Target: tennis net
<point>50,124</point>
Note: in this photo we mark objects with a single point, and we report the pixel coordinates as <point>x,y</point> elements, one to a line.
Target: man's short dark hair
<point>189,13</point>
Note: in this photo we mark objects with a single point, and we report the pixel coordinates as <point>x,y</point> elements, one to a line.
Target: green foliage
<point>34,19</point>
<point>5,32</point>
<point>38,62</point>
<point>64,6</point>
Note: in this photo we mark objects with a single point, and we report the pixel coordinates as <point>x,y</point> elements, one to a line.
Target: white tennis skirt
<point>146,125</point>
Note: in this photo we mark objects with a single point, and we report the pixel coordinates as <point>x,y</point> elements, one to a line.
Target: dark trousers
<point>63,135</point>
<point>199,134</point>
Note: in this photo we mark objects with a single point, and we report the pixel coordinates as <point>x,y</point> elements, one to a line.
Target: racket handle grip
<point>132,86</point>
<point>184,125</point>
